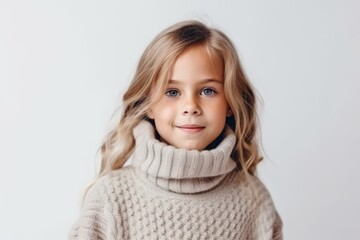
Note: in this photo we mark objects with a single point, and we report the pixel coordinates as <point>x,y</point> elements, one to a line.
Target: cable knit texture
<point>170,193</point>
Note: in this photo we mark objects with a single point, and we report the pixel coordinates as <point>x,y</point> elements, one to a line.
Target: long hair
<point>151,76</point>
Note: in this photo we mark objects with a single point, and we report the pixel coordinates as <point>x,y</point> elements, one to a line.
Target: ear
<point>150,114</point>
<point>229,112</point>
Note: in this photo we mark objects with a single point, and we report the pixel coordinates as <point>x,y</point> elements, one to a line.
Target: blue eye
<point>172,93</point>
<point>208,91</point>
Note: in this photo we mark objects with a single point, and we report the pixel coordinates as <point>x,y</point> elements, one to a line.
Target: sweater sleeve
<point>277,228</point>
<point>92,223</point>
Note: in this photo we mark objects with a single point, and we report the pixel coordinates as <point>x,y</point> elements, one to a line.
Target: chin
<point>192,147</point>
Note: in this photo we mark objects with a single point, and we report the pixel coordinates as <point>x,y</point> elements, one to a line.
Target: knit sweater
<point>171,193</point>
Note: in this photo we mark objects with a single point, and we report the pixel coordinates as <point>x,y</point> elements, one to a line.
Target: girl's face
<point>192,112</point>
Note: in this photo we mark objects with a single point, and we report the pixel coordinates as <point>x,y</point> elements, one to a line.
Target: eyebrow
<point>202,81</point>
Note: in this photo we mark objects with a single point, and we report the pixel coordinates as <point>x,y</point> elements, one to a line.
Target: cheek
<point>163,111</point>
<point>218,108</point>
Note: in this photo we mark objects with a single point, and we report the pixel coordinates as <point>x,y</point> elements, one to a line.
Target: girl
<point>189,126</point>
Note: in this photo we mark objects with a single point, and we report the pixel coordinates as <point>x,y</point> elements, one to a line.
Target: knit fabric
<point>170,193</point>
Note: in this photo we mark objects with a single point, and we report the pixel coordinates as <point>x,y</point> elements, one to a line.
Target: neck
<point>181,170</point>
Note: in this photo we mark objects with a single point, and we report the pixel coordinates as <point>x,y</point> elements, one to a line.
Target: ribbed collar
<point>181,170</point>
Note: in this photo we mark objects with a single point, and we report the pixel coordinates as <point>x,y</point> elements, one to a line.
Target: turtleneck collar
<point>181,170</point>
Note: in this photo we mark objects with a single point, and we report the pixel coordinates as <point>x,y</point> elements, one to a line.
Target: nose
<point>191,106</point>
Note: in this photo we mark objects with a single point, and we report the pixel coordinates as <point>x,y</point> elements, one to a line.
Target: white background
<point>64,64</point>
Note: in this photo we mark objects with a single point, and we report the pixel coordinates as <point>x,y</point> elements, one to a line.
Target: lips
<point>191,128</point>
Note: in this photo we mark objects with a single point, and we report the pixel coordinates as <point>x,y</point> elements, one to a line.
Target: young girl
<point>189,126</point>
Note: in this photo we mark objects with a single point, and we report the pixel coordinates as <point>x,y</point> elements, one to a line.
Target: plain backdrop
<point>64,65</point>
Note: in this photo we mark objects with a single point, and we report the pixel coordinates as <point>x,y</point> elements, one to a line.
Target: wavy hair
<point>151,76</point>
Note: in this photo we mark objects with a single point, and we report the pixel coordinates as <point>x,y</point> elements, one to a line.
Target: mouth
<point>191,128</point>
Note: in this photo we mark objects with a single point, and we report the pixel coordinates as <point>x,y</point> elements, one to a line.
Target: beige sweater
<point>170,193</point>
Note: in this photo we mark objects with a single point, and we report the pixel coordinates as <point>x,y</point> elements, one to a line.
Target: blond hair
<point>152,74</point>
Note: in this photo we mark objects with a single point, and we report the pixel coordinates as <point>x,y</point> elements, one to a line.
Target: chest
<point>227,217</point>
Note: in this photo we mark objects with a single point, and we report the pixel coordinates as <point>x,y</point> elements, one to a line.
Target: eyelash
<point>177,92</point>
<point>172,90</point>
<point>211,89</point>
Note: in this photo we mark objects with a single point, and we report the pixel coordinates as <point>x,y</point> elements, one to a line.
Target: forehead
<point>197,63</point>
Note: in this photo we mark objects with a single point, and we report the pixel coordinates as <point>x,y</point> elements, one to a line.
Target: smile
<point>190,128</point>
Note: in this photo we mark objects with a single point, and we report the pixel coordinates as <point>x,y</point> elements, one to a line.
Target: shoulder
<point>251,185</point>
<point>100,203</point>
<point>255,194</point>
<point>261,204</point>
<point>257,206</point>
<point>105,188</point>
